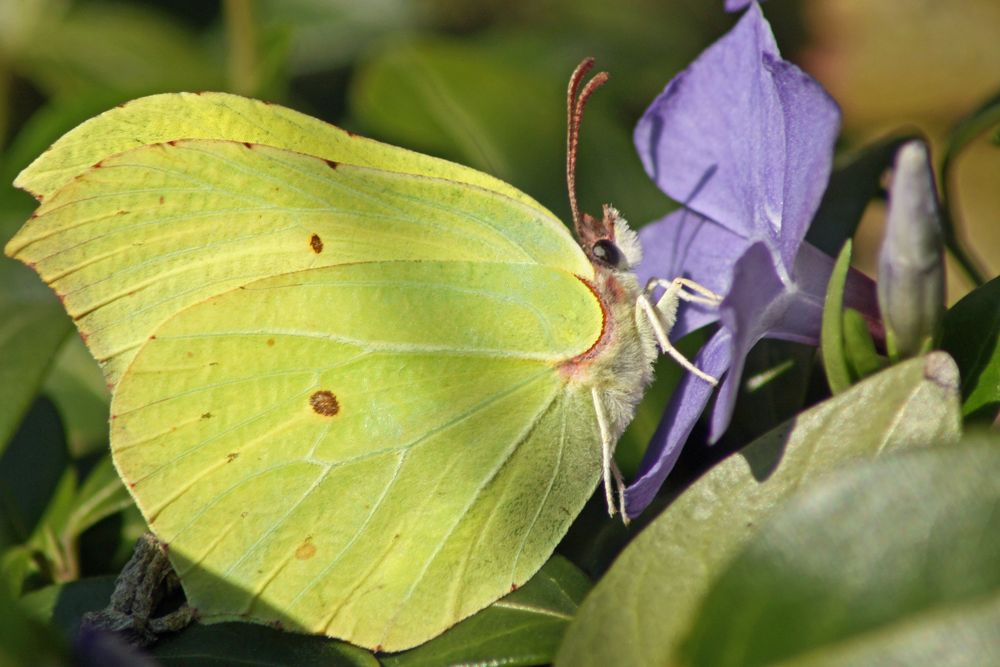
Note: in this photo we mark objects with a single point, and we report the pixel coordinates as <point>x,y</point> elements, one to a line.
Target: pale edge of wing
<point>174,116</point>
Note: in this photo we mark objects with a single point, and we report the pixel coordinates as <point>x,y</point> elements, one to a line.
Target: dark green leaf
<point>895,562</point>
<point>972,337</point>
<point>62,605</point>
<point>32,327</point>
<point>524,628</point>
<point>221,644</point>
<point>30,470</point>
<point>77,387</point>
<point>855,181</point>
<point>661,577</point>
<point>838,373</point>
<point>774,386</point>
<point>226,644</point>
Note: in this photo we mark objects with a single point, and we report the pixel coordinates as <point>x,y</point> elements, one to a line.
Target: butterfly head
<point>609,241</point>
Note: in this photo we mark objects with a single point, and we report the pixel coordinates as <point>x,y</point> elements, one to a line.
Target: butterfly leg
<point>614,483</point>
<point>663,314</point>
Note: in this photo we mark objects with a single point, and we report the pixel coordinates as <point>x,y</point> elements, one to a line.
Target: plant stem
<point>967,262</point>
<point>242,36</point>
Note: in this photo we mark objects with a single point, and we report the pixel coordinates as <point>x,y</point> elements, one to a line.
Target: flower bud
<point>911,262</point>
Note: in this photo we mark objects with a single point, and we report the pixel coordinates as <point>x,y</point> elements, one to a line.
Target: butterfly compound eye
<point>608,252</point>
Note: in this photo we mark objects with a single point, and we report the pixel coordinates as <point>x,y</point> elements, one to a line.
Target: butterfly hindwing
<point>418,452</point>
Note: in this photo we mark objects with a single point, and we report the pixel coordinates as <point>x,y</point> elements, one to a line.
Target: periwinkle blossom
<point>911,261</point>
<point>745,141</point>
<point>736,5</point>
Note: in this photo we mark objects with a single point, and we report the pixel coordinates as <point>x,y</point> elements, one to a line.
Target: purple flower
<point>745,141</point>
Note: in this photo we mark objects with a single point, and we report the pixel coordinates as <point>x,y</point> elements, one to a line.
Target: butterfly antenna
<point>575,103</point>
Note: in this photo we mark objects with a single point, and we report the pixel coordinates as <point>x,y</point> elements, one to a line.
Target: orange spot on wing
<point>306,550</point>
<point>270,342</point>
<point>325,403</point>
<point>316,243</point>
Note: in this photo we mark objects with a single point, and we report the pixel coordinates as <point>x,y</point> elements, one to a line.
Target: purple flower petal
<point>754,303</point>
<point>745,141</point>
<point>686,405</point>
<point>760,306</point>
<point>670,243</point>
<point>713,140</point>
<point>736,5</point>
<point>811,121</point>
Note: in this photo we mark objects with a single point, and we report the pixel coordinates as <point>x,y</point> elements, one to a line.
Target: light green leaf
<point>893,562</point>
<point>662,576</point>
<point>838,371</point>
<point>972,336</point>
<point>524,628</point>
<point>859,347</point>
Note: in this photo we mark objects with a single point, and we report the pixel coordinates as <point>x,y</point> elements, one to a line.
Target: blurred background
<point>482,83</point>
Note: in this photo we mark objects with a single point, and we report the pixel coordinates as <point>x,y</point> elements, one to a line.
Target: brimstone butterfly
<point>357,390</point>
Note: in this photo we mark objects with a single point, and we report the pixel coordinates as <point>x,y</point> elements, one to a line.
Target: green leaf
<point>838,372</point>
<point>662,576</point>
<point>30,470</point>
<point>427,95</point>
<point>101,495</point>
<point>32,327</point>
<point>225,644</point>
<point>859,347</point>
<point>23,640</point>
<point>972,336</point>
<point>855,181</point>
<point>523,628</point>
<point>895,562</point>
<point>220,644</point>
<point>63,605</point>
<point>77,387</point>
<point>127,48</point>
<point>775,383</point>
